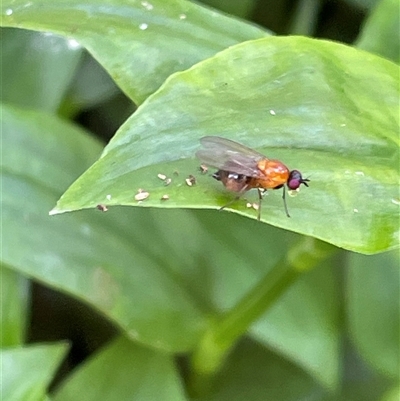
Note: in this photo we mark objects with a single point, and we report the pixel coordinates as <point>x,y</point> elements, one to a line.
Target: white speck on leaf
<point>396,201</point>
<point>142,195</point>
<point>9,11</point>
<point>255,206</point>
<point>355,210</point>
<point>73,44</point>
<point>360,173</point>
<point>182,16</point>
<point>272,112</point>
<point>108,197</point>
<point>143,26</point>
<point>147,5</point>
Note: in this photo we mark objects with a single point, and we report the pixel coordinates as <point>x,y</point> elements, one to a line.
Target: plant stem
<point>219,339</point>
<point>305,17</point>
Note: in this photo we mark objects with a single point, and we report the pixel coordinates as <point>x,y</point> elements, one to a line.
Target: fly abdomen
<point>232,181</point>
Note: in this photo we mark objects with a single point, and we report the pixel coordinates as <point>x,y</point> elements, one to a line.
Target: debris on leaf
<point>141,195</point>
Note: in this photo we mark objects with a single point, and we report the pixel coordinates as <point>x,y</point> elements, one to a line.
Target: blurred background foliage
<point>333,336</point>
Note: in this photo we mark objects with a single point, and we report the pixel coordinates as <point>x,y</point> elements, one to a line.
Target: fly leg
<point>260,198</point>
<point>284,202</point>
<point>236,198</point>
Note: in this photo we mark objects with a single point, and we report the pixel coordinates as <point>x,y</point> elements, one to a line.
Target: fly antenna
<point>305,180</point>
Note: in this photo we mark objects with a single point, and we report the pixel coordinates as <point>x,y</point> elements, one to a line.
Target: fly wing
<point>228,155</point>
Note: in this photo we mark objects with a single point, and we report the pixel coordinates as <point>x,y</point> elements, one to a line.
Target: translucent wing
<point>228,155</point>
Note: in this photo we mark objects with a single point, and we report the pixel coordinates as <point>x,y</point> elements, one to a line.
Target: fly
<point>241,169</point>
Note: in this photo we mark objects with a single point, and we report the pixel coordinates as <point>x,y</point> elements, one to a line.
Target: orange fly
<point>241,169</point>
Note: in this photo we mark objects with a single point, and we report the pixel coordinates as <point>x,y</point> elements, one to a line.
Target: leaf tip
<point>55,211</point>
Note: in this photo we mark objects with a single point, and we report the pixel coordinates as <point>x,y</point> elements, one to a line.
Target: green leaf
<point>309,103</point>
<point>139,43</point>
<point>14,297</point>
<point>132,373</point>
<point>36,68</point>
<point>380,34</point>
<point>92,85</point>
<point>363,4</point>
<point>176,267</point>
<point>43,150</point>
<point>373,293</point>
<point>240,8</point>
<point>392,395</point>
<point>26,372</point>
<point>104,259</point>
<point>254,373</point>
<point>311,334</point>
